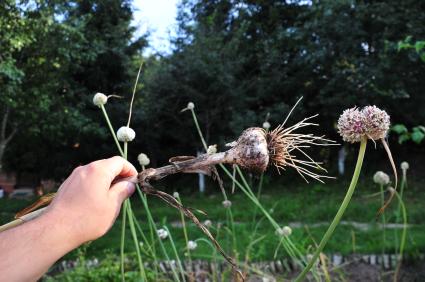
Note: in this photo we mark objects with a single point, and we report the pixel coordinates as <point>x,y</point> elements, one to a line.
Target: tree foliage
<point>239,60</point>
<point>55,56</point>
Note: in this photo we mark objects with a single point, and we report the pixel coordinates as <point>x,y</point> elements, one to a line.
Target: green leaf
<point>403,138</point>
<point>419,45</point>
<point>399,128</point>
<point>418,136</point>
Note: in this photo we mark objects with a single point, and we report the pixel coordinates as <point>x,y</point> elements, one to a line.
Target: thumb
<point>121,191</point>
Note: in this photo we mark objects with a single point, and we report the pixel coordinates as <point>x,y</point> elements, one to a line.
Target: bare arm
<point>84,209</point>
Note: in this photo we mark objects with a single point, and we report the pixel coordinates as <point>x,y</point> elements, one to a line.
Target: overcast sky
<point>158,17</point>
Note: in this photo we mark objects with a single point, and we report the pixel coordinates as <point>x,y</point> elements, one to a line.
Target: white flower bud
<point>266,125</point>
<point>143,159</point>
<point>284,231</point>
<point>176,195</point>
<point>190,106</point>
<point>125,134</point>
<point>227,204</point>
<point>100,99</point>
<point>404,165</point>
<point>208,223</point>
<point>191,245</point>
<point>381,178</point>
<point>212,149</point>
<point>162,233</point>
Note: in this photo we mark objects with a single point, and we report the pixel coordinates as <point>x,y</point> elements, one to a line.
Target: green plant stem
<point>173,246</point>
<point>199,130</point>
<point>381,187</point>
<point>403,236</point>
<point>287,243</point>
<point>403,184</point>
<point>136,241</point>
<point>129,212</point>
<point>154,231</point>
<point>123,240</point>
<point>152,226</point>
<point>105,114</point>
<point>340,212</point>
<point>186,237</point>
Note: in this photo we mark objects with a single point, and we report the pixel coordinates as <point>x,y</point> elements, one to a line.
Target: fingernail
<point>131,187</point>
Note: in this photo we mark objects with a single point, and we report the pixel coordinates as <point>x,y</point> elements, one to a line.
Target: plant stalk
<point>340,212</point>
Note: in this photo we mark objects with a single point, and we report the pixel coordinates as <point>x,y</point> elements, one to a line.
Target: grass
<point>302,203</point>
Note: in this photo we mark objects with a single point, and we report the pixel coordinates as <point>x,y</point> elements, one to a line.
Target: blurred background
<point>240,62</point>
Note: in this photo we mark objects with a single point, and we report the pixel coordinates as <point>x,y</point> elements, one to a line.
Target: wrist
<point>58,231</point>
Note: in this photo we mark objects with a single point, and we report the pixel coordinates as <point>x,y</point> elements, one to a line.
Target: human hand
<point>86,204</point>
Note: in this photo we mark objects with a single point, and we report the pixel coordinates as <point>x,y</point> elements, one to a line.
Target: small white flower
<point>227,204</point>
<point>212,149</point>
<point>190,106</point>
<point>100,99</point>
<point>191,245</point>
<point>176,195</point>
<point>162,233</point>
<point>125,134</point>
<point>381,178</point>
<point>284,231</point>
<point>266,125</point>
<point>143,159</point>
<point>287,230</point>
<point>404,165</point>
<point>208,223</point>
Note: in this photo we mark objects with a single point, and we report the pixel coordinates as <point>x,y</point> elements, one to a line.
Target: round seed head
<point>212,149</point>
<point>404,166</point>
<point>176,195</point>
<point>125,134</point>
<point>143,159</point>
<point>208,223</point>
<point>227,204</point>
<point>266,125</point>
<point>162,233</point>
<point>100,99</point>
<point>381,178</point>
<point>284,231</point>
<point>191,245</point>
<point>190,106</point>
<point>351,126</point>
<point>376,121</point>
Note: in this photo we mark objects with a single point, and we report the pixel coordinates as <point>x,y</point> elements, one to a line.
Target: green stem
<point>288,245</point>
<point>154,231</point>
<point>383,219</point>
<point>402,186</point>
<point>136,241</point>
<point>186,237</point>
<point>199,130</point>
<point>105,114</point>
<point>173,246</point>
<point>403,235</point>
<point>123,240</point>
<point>129,212</point>
<point>340,212</point>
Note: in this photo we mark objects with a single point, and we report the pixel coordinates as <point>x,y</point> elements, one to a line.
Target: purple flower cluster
<point>371,122</point>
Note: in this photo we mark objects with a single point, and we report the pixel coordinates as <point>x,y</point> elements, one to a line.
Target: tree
<point>239,60</point>
<point>75,49</point>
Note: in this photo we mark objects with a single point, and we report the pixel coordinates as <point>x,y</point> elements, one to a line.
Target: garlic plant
<point>356,126</point>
